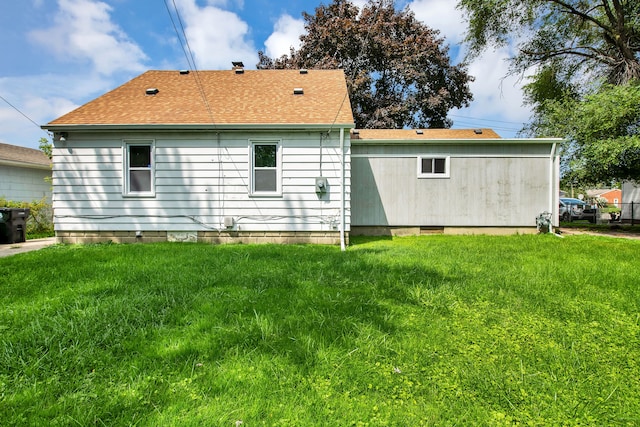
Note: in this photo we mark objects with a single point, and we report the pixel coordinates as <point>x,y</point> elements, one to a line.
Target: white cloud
<point>360,3</point>
<point>225,3</point>
<point>43,98</point>
<point>497,98</point>
<point>441,15</point>
<point>84,31</point>
<point>286,34</point>
<point>217,36</point>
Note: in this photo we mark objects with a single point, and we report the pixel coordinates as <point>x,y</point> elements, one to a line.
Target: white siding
<point>199,180</point>
<point>24,184</point>
<point>489,186</point>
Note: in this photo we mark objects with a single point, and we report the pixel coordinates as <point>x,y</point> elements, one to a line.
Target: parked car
<point>575,209</point>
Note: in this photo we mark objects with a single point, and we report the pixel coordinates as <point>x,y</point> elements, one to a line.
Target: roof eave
<point>195,127</point>
<point>29,165</point>
<point>453,141</point>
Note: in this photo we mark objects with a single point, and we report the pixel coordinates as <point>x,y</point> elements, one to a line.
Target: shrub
<point>40,220</point>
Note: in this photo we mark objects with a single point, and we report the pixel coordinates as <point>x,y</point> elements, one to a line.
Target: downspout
<point>343,246</point>
<point>552,186</point>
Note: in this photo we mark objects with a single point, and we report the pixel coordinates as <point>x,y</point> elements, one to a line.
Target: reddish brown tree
<point>398,70</point>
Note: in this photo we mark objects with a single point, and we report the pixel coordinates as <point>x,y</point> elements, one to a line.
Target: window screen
<point>139,169</point>
<point>265,168</point>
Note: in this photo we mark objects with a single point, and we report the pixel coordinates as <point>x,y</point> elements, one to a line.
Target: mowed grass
<point>434,330</point>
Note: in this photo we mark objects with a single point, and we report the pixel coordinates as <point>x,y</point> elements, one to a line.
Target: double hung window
<point>139,168</point>
<point>265,167</point>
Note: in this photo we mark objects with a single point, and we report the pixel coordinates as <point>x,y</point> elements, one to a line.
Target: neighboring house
<point>454,181</point>
<point>613,196</point>
<point>266,155</point>
<point>23,174</point>
<point>211,156</point>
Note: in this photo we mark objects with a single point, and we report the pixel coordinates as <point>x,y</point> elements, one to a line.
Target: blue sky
<point>60,54</point>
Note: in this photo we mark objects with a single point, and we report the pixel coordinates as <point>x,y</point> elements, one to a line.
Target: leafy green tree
<point>398,70</point>
<point>46,147</point>
<point>603,130</point>
<point>585,58</point>
<point>581,38</point>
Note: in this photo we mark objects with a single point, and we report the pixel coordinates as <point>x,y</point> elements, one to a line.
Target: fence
<point>624,213</point>
<point>630,213</point>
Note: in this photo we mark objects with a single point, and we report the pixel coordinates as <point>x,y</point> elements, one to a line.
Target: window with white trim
<point>139,168</point>
<point>266,168</point>
<point>433,167</point>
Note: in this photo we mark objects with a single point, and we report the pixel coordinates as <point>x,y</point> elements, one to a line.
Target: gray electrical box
<point>228,221</point>
<point>321,185</point>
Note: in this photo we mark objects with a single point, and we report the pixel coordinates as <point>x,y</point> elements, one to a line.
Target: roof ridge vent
<point>298,91</point>
<point>152,91</point>
<point>304,71</point>
<point>183,72</point>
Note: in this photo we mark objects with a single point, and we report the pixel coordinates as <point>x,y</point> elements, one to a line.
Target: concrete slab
<point>28,246</point>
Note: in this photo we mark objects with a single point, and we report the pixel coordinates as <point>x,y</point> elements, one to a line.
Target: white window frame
<point>126,169</point>
<point>432,157</point>
<point>278,168</point>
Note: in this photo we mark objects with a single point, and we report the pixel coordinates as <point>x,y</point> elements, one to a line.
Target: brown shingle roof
<point>253,97</point>
<point>411,134</point>
<point>26,156</point>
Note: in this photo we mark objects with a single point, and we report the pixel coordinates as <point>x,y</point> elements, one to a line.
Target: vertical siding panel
<point>503,185</point>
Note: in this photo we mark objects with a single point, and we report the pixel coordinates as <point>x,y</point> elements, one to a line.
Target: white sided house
<point>450,181</point>
<point>214,156</point>
<point>272,156</point>
<point>24,174</point>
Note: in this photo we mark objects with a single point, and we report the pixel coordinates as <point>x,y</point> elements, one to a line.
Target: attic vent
<point>419,131</point>
<point>152,91</point>
<point>298,91</point>
<point>304,71</point>
<point>238,67</point>
<point>184,72</point>
<point>477,131</point>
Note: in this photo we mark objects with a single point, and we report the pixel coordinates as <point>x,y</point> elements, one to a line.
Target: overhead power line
<point>19,111</point>
<point>188,53</point>
<point>487,120</point>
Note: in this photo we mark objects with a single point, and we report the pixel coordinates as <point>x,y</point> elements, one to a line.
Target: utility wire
<point>485,120</point>
<point>188,53</point>
<point>18,110</point>
<point>175,28</point>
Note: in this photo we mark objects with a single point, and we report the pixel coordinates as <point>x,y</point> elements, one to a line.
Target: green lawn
<point>436,330</point>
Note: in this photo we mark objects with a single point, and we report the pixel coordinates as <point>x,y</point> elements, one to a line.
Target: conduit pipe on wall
<point>553,188</point>
<point>343,246</point>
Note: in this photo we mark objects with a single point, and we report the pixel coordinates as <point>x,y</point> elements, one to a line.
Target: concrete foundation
<point>213,237</point>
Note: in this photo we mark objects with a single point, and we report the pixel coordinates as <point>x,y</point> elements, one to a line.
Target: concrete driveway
<point>29,245</point>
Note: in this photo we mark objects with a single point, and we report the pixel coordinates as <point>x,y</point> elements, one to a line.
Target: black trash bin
<point>13,225</point>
